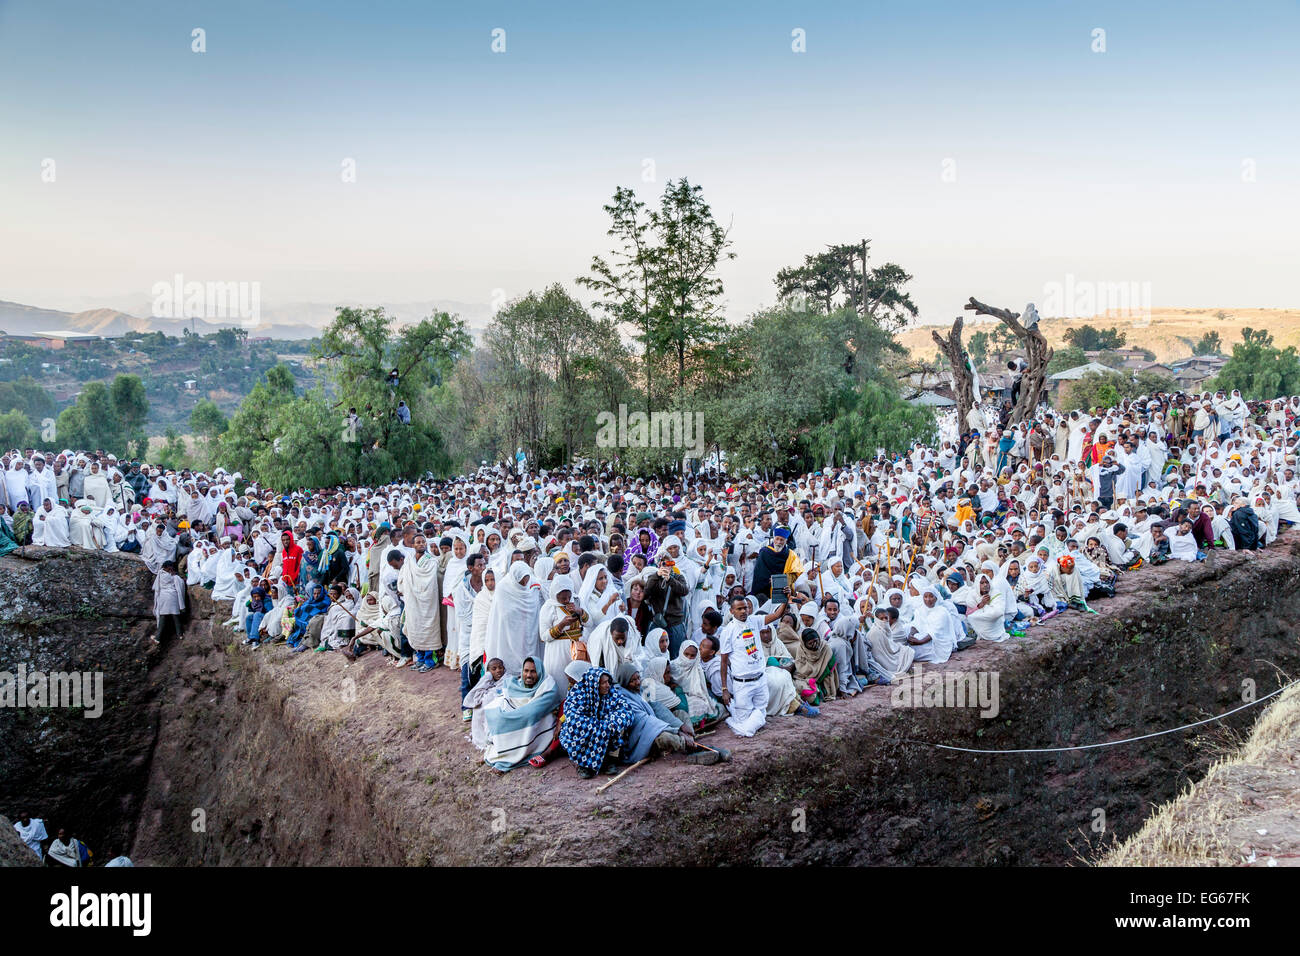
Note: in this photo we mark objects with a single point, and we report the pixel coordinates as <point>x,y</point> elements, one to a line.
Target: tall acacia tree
<point>840,277</point>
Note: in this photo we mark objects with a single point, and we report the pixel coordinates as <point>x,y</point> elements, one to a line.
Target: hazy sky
<point>479,171</point>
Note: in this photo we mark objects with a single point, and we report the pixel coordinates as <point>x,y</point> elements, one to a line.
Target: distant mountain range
<point>296,320</point>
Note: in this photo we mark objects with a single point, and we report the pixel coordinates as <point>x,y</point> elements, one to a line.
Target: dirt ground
<point>325,761</point>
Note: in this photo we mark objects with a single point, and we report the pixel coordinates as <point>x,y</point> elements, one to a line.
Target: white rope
<point>1109,743</point>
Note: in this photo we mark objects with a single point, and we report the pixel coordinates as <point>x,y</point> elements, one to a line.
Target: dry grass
<point>1218,821</point>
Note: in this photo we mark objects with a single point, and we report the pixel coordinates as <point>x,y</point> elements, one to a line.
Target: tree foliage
<point>287,440</point>
<point>1107,389</point>
<point>1260,369</point>
<point>1067,357</point>
<point>835,278</point>
<point>1092,339</point>
<point>1209,344</point>
<point>106,417</point>
<point>661,278</point>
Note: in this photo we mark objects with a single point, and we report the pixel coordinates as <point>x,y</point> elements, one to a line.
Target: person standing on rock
<point>168,601</point>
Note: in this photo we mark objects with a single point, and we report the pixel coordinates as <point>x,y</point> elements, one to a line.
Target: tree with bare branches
<point>962,371</point>
<point>1037,354</point>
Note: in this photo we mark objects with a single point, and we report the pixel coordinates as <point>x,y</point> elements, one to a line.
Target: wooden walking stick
<point>609,783</point>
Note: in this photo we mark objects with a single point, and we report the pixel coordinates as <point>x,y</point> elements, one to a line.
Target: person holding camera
<point>666,591</point>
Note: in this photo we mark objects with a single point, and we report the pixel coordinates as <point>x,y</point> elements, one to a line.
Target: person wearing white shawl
<point>50,526</point>
<point>1034,587</point>
<point>157,546</point>
<point>16,484</point>
<point>222,569</point>
<point>490,686</point>
<point>599,597</point>
<point>82,531</point>
<point>163,489</point>
<point>512,621</point>
<point>709,575</point>
<point>480,613</point>
<point>96,485</point>
<point>371,625</point>
<point>652,661</point>
<point>169,601</point>
<point>931,619</point>
<point>264,543</point>
<point>417,583</point>
<point>1182,543</point>
<point>340,623</point>
<point>688,675</point>
<point>452,575</point>
<point>195,562</point>
<point>272,620</point>
<point>890,651</point>
<point>557,628</point>
<point>603,648</point>
<point>239,607</point>
<point>41,483</point>
<point>836,583</point>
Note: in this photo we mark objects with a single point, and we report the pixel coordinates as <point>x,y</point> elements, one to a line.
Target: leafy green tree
<point>688,292</point>
<point>131,405</point>
<point>1066,357</point>
<point>91,423</point>
<point>800,388</point>
<point>16,431</point>
<point>309,440</point>
<point>978,347</point>
<point>661,278</point>
<point>1106,389</point>
<point>1209,344</point>
<point>173,453</point>
<point>1111,358</point>
<point>835,278</point>
<point>26,396</point>
<point>208,422</point>
<point>1260,369</point>
<point>252,427</point>
<point>1092,339</point>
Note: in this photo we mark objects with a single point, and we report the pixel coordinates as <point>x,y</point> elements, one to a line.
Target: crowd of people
<point>63,849</point>
<point>608,619</point>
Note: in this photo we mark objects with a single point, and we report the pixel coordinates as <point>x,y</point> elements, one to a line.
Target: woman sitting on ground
<point>316,604</point>
<point>692,687</point>
<point>594,721</point>
<point>816,676</point>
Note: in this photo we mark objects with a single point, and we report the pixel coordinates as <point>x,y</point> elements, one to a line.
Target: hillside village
<point>178,372</point>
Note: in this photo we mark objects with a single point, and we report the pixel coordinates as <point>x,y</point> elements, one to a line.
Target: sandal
<point>539,761</point>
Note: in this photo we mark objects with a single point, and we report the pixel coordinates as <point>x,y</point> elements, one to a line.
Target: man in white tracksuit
<point>744,687</point>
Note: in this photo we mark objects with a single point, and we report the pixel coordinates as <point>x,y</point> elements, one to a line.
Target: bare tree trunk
<point>962,380</point>
<point>1037,353</point>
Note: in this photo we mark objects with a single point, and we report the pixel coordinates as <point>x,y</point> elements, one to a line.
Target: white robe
<point>51,529</point>
<point>512,621</point>
<point>418,584</point>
